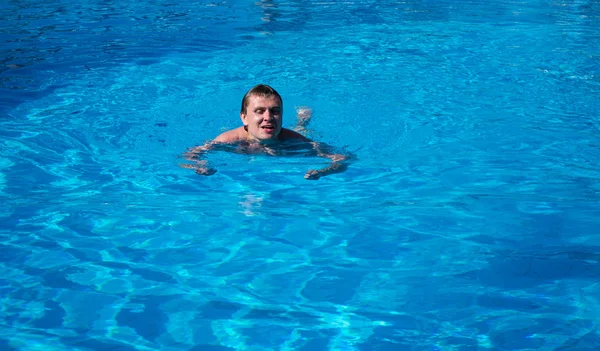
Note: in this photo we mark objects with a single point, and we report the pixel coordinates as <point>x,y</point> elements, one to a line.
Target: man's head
<point>260,90</point>
<point>262,113</point>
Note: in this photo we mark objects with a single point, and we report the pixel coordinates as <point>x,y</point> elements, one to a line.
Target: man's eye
<point>260,111</point>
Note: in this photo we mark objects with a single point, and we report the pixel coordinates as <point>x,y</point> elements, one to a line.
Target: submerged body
<point>262,132</point>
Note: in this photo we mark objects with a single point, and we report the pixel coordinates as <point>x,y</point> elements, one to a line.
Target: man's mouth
<point>268,128</point>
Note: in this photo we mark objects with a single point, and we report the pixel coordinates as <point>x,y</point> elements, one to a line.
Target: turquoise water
<point>470,219</point>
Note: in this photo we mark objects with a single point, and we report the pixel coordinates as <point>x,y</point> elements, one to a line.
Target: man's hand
<point>312,175</point>
<point>201,168</point>
<point>337,166</point>
<point>205,171</point>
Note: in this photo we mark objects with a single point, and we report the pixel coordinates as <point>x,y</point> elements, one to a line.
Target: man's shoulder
<point>288,134</point>
<point>230,136</point>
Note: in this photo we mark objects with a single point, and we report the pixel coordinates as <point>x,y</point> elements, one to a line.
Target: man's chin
<point>268,137</point>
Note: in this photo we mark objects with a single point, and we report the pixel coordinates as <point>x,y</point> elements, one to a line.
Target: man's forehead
<point>264,100</point>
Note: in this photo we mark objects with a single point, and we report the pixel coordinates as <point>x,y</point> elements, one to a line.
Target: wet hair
<point>261,90</point>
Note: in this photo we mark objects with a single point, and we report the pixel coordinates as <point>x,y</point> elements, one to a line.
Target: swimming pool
<point>469,221</point>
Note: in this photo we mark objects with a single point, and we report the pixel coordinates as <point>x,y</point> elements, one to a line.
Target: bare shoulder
<point>288,134</point>
<point>230,136</point>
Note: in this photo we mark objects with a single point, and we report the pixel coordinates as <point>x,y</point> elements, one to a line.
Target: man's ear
<point>243,118</point>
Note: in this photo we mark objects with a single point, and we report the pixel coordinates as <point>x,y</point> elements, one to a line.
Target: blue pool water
<point>470,219</point>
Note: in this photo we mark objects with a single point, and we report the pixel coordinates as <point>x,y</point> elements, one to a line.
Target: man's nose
<point>268,114</point>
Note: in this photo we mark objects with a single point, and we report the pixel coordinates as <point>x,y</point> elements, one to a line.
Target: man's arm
<point>339,163</point>
<point>195,154</point>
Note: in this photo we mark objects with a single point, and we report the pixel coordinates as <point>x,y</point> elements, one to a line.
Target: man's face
<point>263,118</point>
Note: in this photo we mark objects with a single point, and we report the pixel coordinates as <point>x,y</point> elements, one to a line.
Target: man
<point>262,132</point>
